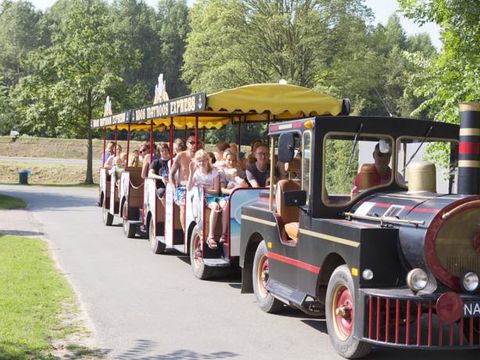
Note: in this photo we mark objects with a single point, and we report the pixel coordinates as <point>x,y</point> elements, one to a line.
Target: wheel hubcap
<point>343,312</point>
<point>197,251</point>
<point>263,275</point>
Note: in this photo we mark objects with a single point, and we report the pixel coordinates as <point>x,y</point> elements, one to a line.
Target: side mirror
<point>295,197</point>
<point>286,147</point>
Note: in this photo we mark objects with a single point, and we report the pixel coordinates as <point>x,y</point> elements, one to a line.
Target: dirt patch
<point>77,341</point>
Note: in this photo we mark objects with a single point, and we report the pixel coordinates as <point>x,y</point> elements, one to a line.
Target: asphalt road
<point>146,306</point>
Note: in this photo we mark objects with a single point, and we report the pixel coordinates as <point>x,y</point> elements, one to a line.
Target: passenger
<point>258,173</point>
<point>212,158</point>
<point>202,173</point>
<point>181,165</point>
<point>135,159</point>
<point>178,146</point>
<point>118,166</point>
<point>108,151</point>
<point>232,176</point>
<point>375,174</point>
<point>251,157</point>
<point>220,148</point>
<point>159,169</point>
<point>113,159</point>
<point>147,159</point>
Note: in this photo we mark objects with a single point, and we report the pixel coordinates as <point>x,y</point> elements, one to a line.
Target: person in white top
<point>203,174</point>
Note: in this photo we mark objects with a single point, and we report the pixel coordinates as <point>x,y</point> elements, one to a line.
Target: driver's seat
<point>290,215</point>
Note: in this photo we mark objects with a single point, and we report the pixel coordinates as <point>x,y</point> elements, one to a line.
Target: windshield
<point>348,174</point>
<point>442,153</point>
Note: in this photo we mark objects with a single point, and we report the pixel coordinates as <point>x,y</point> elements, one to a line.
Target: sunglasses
<point>384,154</point>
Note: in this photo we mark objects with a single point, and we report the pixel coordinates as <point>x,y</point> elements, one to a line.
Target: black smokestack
<point>469,149</point>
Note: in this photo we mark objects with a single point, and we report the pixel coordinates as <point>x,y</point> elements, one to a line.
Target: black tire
<point>156,246</point>
<point>341,299</point>
<point>199,269</point>
<point>106,216</point>
<point>260,277</point>
<point>128,229</point>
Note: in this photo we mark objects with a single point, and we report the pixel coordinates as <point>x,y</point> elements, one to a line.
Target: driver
<point>378,173</point>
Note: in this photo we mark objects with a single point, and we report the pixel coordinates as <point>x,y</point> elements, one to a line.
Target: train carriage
<point>389,261</point>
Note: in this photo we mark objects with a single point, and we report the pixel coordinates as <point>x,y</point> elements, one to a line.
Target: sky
<point>382,9</point>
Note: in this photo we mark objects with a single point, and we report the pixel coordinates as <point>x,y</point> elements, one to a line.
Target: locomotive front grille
<point>456,244</point>
<point>412,322</point>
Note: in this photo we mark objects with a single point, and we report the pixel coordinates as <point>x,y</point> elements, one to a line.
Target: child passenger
<point>202,173</point>
<point>233,177</point>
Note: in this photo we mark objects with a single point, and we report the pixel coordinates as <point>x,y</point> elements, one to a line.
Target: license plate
<point>471,309</point>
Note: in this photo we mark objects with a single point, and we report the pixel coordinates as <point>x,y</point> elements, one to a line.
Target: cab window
<point>354,164</point>
<point>417,156</point>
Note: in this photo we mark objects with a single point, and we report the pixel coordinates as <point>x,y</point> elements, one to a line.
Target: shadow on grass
<point>20,233</point>
<point>19,351</point>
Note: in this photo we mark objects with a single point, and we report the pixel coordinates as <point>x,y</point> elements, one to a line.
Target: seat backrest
<point>287,213</point>
<point>135,175</point>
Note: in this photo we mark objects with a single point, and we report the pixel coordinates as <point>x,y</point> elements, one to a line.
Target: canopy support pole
<point>170,140</point>
<point>116,138</point>
<point>272,173</point>
<point>128,144</point>
<point>151,140</point>
<point>104,135</point>
<point>196,134</point>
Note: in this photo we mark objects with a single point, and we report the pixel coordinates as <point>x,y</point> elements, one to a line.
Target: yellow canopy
<point>256,102</point>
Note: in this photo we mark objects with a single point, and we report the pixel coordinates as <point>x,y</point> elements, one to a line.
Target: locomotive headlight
<point>417,279</point>
<point>367,274</point>
<point>470,282</point>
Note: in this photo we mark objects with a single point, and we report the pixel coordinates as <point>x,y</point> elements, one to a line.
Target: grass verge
<point>35,301</point>
<point>8,202</point>
<point>45,174</point>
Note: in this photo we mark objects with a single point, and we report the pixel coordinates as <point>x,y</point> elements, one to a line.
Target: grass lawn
<point>33,297</point>
<point>45,174</point>
<point>8,202</point>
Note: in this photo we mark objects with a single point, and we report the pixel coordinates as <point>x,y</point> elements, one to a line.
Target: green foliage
<point>452,76</point>
<point>174,26</point>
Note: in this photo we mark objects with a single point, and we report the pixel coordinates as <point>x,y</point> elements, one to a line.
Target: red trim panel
<point>300,264</point>
<point>409,208</point>
<point>469,148</point>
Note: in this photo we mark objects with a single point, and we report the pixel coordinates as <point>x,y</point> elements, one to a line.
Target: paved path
<point>49,161</point>
<point>146,306</point>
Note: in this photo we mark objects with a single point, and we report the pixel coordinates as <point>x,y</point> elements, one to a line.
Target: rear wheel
<point>107,217</point>
<point>260,276</point>
<point>340,315</point>
<point>128,229</point>
<point>200,270</point>
<point>156,246</point>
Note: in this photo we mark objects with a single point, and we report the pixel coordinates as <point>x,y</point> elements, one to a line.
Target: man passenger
<point>181,165</point>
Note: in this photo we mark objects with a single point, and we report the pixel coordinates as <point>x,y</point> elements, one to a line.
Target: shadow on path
<point>142,348</point>
<point>49,199</point>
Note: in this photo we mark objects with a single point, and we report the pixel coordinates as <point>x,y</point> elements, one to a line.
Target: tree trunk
<point>89,176</point>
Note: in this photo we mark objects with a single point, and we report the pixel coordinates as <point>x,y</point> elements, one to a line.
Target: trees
<point>452,76</point>
<point>73,76</point>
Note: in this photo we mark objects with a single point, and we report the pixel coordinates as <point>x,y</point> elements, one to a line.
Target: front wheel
<point>340,315</point>
<point>200,270</point>
<point>260,276</point>
<point>156,246</point>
